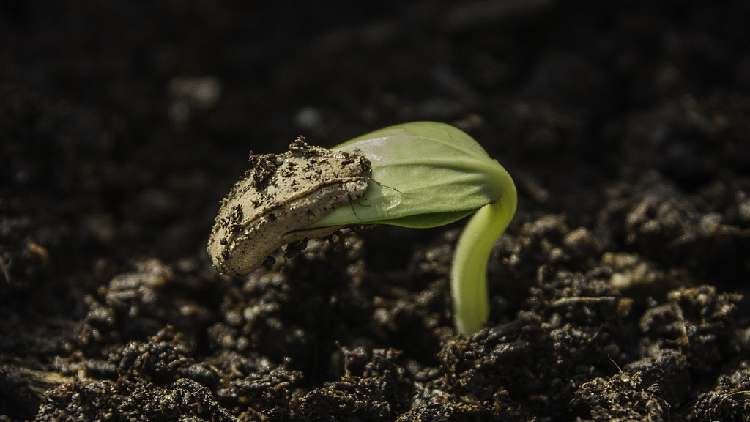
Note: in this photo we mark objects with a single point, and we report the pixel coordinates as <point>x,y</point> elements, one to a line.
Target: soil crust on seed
<point>619,291</point>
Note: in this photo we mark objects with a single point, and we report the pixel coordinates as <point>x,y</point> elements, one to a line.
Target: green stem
<point>471,304</point>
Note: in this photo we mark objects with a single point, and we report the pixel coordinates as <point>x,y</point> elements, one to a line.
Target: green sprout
<point>427,174</point>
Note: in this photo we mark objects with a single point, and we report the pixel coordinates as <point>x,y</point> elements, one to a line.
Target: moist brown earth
<point>619,291</point>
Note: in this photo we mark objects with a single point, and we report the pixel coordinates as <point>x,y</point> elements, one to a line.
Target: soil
<point>619,292</point>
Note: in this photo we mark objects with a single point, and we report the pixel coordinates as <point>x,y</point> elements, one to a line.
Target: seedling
<point>416,175</point>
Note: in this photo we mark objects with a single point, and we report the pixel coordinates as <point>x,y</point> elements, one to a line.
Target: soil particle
<point>730,401</point>
<point>662,222</point>
<point>621,397</point>
<point>667,372</point>
<point>381,391</point>
<point>181,400</point>
<point>254,382</point>
<point>537,365</point>
<point>22,390</point>
<point>641,278</point>
<point>697,321</point>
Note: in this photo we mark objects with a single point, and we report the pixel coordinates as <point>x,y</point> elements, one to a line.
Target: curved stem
<point>471,304</point>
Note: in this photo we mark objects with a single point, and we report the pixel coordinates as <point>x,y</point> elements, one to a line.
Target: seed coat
<point>279,196</point>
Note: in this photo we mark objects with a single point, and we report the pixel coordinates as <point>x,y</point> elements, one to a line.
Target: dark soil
<point>618,293</point>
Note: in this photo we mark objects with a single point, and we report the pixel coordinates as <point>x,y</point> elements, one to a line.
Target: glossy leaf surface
<point>424,174</point>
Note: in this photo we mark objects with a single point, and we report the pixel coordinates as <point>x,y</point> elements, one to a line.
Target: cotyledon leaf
<point>424,174</point>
